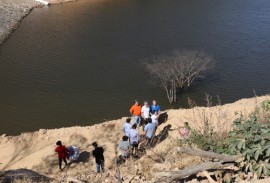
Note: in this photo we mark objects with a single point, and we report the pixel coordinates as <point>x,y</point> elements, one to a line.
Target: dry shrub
<point>209,125</point>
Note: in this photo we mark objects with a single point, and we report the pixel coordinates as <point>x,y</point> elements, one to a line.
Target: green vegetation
<point>208,139</point>
<point>249,138</point>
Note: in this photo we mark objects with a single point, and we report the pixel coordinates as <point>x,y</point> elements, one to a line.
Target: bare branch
<point>179,69</point>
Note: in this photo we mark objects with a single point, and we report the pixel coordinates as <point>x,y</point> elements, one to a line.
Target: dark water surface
<point>80,63</point>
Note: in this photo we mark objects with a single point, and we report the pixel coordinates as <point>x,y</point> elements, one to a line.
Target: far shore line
<point>16,11</point>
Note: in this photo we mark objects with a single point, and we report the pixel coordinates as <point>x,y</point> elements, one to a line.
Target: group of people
<point>145,116</point>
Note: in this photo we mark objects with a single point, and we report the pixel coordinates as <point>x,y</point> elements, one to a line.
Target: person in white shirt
<point>127,126</point>
<point>134,138</point>
<point>145,111</point>
<point>154,118</point>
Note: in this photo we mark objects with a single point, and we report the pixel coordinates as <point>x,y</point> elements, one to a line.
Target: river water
<point>81,63</point>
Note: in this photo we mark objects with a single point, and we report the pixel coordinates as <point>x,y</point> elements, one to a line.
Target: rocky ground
<point>11,13</point>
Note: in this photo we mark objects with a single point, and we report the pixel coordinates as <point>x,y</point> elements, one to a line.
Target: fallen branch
<point>170,176</point>
<point>222,161</point>
<point>220,157</point>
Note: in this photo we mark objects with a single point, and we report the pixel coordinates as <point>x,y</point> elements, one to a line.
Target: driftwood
<point>207,154</point>
<point>223,161</point>
<point>170,176</point>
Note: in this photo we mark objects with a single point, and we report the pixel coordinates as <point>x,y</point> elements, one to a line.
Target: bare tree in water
<point>179,69</point>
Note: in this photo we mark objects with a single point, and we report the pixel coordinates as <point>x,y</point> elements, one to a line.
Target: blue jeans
<point>137,120</point>
<point>101,165</point>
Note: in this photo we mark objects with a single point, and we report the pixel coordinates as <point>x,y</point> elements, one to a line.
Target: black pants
<point>60,162</point>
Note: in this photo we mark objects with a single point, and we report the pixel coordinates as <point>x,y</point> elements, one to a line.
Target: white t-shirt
<point>133,136</point>
<point>145,111</point>
<point>154,119</point>
<point>126,128</point>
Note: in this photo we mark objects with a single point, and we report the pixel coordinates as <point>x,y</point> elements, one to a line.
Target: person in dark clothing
<point>98,154</point>
<point>62,153</point>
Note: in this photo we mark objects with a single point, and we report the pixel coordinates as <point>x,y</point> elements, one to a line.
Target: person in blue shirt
<point>127,126</point>
<point>154,107</point>
<point>149,130</point>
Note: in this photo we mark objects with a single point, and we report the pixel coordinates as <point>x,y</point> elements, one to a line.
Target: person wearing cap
<point>135,110</point>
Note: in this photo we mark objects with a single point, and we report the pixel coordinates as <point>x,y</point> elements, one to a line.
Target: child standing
<point>62,153</point>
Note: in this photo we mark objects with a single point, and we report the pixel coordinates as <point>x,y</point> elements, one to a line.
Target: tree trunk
<point>168,95</point>
<point>223,161</point>
<point>174,88</point>
<point>207,154</point>
<point>170,176</point>
<point>172,94</point>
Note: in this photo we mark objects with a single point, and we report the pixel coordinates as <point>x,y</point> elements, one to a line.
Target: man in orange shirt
<point>135,110</point>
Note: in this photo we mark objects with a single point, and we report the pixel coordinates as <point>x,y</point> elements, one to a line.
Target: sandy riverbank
<point>35,150</point>
<point>13,11</point>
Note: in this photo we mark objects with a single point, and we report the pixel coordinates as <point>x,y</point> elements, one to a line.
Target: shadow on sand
<point>163,117</point>
<point>83,157</point>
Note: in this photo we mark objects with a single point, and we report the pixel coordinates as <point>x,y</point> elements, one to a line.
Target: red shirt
<point>62,151</point>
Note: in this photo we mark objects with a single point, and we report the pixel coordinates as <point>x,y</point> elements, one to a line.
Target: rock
<point>169,159</point>
<point>42,131</point>
<point>4,135</point>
